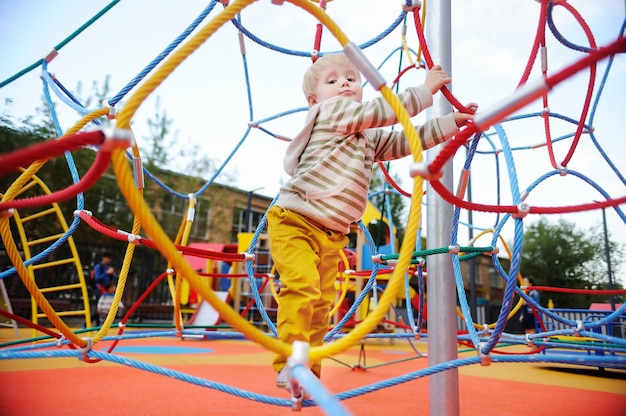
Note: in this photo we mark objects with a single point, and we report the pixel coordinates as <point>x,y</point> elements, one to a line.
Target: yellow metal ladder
<point>53,279</point>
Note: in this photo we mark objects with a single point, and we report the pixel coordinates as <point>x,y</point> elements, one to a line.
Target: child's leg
<point>294,244</point>
<point>328,267</point>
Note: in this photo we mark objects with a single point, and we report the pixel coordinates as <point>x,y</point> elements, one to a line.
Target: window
<point>243,223</point>
<point>495,280</point>
<point>200,228</point>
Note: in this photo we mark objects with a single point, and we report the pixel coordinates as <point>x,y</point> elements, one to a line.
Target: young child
<point>106,300</point>
<point>103,274</point>
<point>330,162</point>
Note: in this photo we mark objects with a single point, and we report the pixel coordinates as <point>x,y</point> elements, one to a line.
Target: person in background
<point>106,300</point>
<point>527,318</point>
<point>103,275</point>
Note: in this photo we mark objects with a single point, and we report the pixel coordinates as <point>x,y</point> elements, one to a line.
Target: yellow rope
<point>169,251</point>
<point>121,284</point>
<point>344,286</point>
<point>13,252</point>
<point>144,216</point>
<point>186,231</point>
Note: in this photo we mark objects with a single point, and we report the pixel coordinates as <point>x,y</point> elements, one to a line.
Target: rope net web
<point>488,141</point>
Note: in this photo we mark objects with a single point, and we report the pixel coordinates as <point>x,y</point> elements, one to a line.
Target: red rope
<point>592,76</point>
<point>581,291</point>
<point>91,177</point>
<point>318,35</point>
<point>540,39</point>
<point>429,63</point>
<point>129,313</point>
<point>123,236</point>
<point>249,305</point>
<point>235,275</point>
<point>452,145</point>
<point>391,181</point>
<point>33,325</point>
<point>47,150</point>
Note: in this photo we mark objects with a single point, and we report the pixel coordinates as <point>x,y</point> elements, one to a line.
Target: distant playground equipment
<point>187,284</point>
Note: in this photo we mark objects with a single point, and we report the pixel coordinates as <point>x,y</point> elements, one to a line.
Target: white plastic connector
<point>51,55</point>
<point>7,212</point>
<point>191,213</point>
<point>524,95</point>
<point>85,351</point>
<point>522,210</point>
<point>60,340</point>
<point>113,138</point>
<point>454,249</point>
<point>563,171</point>
<point>580,326</point>
<point>299,356</point>
<point>112,111</point>
<point>138,172</point>
<point>421,169</point>
<point>131,238</point>
<point>77,212</point>
<point>377,258</point>
<point>366,68</point>
<point>485,359</point>
<point>410,5</point>
<point>248,256</point>
<point>523,196</point>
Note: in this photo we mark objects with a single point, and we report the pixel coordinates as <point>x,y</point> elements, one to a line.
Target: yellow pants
<point>306,257</point>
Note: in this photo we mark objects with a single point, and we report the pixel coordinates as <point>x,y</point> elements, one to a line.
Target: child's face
<point>335,81</point>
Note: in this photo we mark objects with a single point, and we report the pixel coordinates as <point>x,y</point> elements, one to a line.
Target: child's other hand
<point>436,78</point>
<point>461,119</point>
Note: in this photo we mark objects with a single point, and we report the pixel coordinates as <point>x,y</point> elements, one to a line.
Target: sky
<point>207,98</point>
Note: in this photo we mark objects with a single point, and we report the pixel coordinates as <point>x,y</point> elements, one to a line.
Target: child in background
<point>330,162</point>
<point>106,300</point>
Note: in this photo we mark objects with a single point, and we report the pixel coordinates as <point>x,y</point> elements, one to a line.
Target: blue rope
<point>113,101</point>
<point>308,54</point>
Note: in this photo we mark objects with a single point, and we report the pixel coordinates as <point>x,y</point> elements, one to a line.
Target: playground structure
<point>484,337</point>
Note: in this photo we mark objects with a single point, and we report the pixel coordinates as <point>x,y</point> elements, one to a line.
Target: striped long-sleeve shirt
<point>331,160</point>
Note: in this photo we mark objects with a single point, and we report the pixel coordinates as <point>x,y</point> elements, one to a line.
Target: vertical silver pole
<point>443,388</point>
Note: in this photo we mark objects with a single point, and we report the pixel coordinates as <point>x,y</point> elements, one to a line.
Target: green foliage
<point>559,255</point>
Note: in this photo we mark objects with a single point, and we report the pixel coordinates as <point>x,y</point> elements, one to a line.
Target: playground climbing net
<point>484,139</point>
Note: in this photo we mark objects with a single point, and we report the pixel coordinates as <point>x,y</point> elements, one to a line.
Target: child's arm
<point>394,145</point>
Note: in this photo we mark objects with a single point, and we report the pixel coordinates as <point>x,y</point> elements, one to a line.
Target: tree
<point>559,255</point>
<point>104,198</point>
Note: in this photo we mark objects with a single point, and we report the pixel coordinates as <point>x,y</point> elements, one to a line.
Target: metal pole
<point>443,388</point>
<point>607,253</point>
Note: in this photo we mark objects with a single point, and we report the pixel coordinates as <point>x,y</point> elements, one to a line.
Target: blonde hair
<point>311,76</point>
